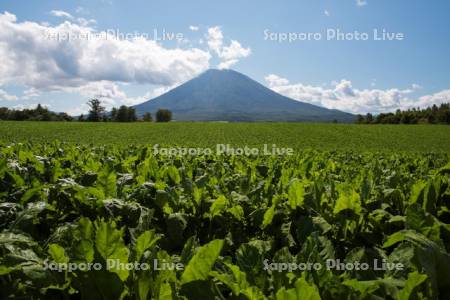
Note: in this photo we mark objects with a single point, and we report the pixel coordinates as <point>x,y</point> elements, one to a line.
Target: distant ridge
<point>227,95</point>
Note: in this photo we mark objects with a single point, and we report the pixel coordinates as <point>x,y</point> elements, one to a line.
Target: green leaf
<point>237,212</point>
<point>432,258</point>
<point>107,182</point>
<point>16,238</point>
<point>97,192</point>
<point>100,285</point>
<point>162,201</point>
<point>84,245</point>
<point>6,270</point>
<point>145,241</point>
<point>425,223</point>
<point>197,195</point>
<point>18,180</point>
<point>174,174</point>
<point>394,238</point>
<point>270,212</point>
<point>431,195</point>
<point>296,194</point>
<point>57,253</point>
<point>253,293</point>
<point>3,167</point>
<point>219,206</point>
<point>268,217</point>
<point>445,169</point>
<point>302,291</point>
<point>30,194</point>
<point>348,200</point>
<point>364,288</point>
<point>414,280</point>
<point>417,192</point>
<point>110,245</point>
<point>144,283</point>
<point>202,262</point>
<point>236,281</point>
<point>188,250</point>
<point>165,292</point>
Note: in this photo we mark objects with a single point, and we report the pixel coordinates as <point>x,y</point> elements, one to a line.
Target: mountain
<point>226,95</point>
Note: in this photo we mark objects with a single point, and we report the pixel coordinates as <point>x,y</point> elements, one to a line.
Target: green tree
<point>122,114</point>
<point>4,113</point>
<point>113,114</point>
<point>96,110</point>
<point>163,115</point>
<point>359,119</point>
<point>147,117</point>
<point>65,117</point>
<point>131,115</point>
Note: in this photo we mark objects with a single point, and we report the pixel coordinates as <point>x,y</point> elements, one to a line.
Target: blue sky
<point>356,76</point>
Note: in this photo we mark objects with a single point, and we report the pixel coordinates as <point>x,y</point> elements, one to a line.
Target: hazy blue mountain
<point>226,95</point>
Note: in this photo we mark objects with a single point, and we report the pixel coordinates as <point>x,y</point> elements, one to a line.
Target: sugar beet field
<point>90,211</point>
<point>404,138</point>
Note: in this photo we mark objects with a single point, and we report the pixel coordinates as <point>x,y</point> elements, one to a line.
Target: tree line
<point>430,115</point>
<point>97,113</point>
<point>40,113</point>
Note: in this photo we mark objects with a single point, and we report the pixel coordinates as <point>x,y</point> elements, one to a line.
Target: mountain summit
<point>227,95</point>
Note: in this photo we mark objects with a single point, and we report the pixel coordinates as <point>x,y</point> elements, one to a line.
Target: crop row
<point>119,222</point>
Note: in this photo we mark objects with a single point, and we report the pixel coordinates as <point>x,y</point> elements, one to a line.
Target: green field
<point>241,227</point>
<point>403,138</point>
<point>78,195</point>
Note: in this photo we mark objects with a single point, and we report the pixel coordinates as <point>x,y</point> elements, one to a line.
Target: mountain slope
<point>226,95</point>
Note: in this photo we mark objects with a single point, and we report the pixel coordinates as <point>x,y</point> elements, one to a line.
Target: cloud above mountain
<point>74,57</point>
<point>343,96</point>
<point>228,55</point>
<point>34,57</point>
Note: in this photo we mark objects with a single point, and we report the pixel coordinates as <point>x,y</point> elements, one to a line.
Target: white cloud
<point>228,55</point>
<point>7,97</point>
<point>215,39</point>
<point>436,98</point>
<point>108,92</point>
<point>33,58</point>
<point>227,64</point>
<point>30,93</point>
<point>111,95</point>
<point>79,110</point>
<point>361,2</point>
<point>30,106</point>
<point>101,90</point>
<point>86,22</point>
<point>61,14</point>
<point>274,80</point>
<point>66,15</point>
<point>194,28</point>
<point>326,13</point>
<point>160,90</point>
<point>149,95</point>
<point>82,10</point>
<point>343,96</point>
<point>234,51</point>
